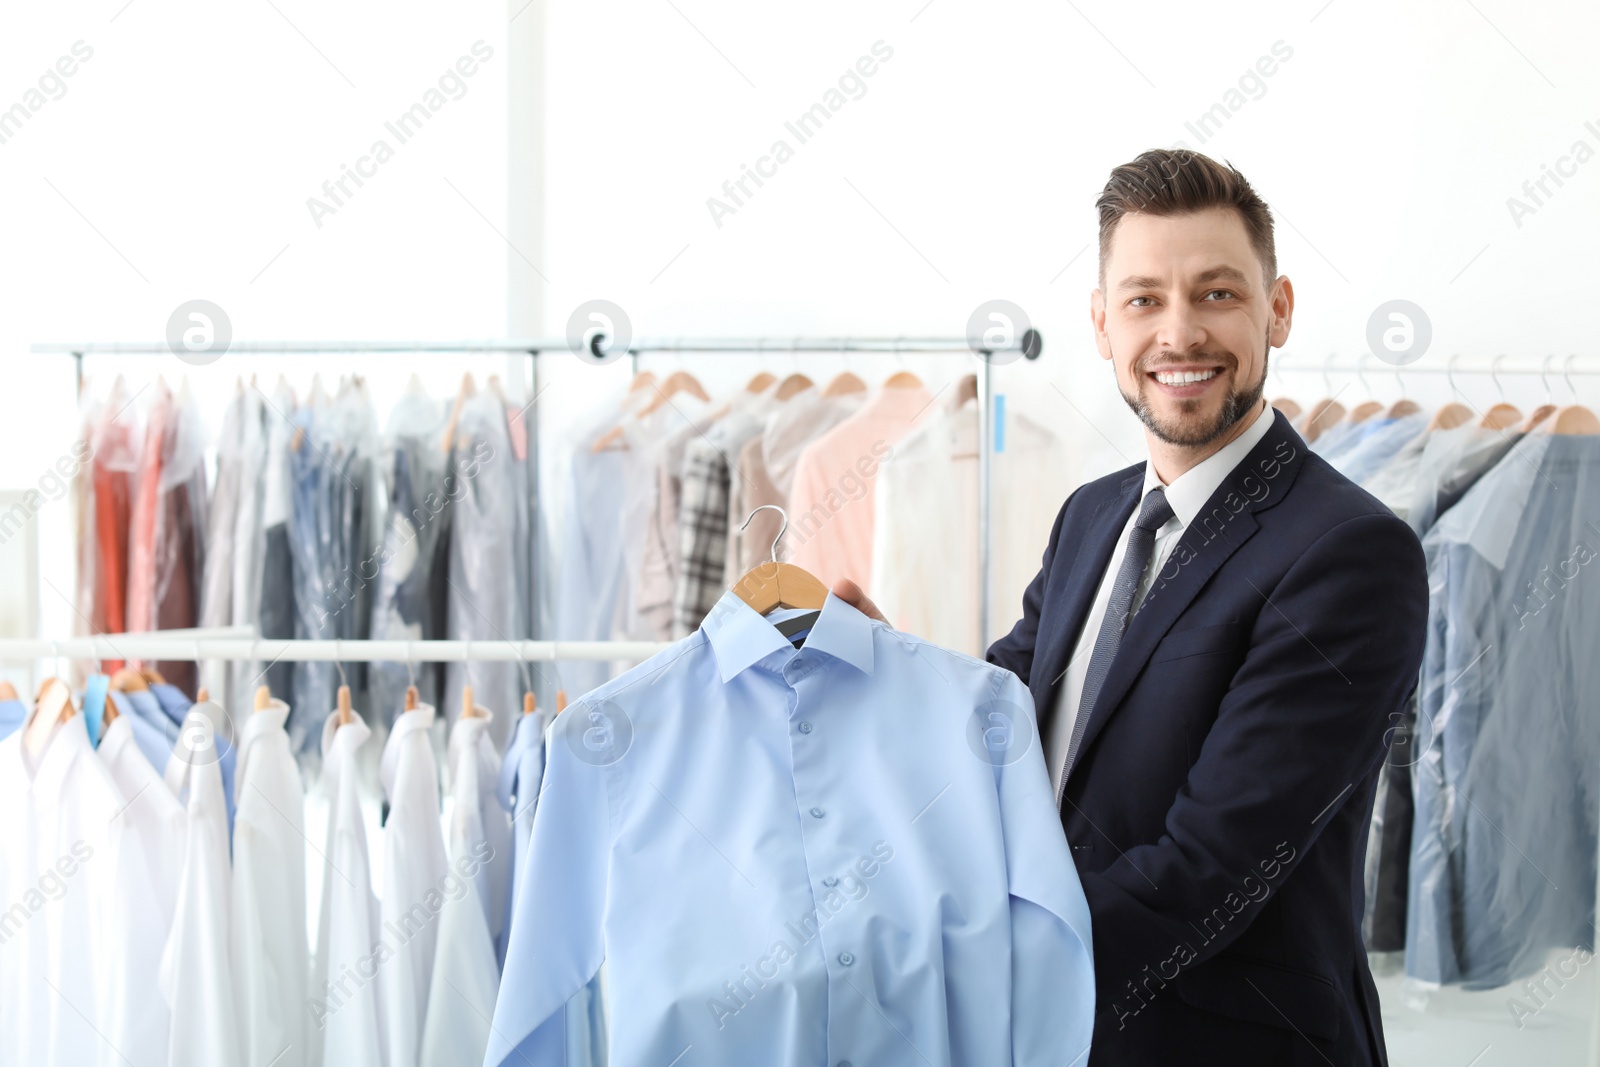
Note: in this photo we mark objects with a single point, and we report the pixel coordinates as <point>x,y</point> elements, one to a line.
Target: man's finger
<point>851,594</point>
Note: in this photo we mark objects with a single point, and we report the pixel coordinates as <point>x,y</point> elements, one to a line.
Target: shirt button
<point>817,813</point>
<point>830,881</point>
<point>805,728</point>
<point>846,959</point>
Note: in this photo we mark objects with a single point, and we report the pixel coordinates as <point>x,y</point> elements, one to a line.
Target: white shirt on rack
<point>59,843</point>
<point>350,970</point>
<point>1186,495</point>
<point>466,977</point>
<point>271,959</point>
<point>155,831</point>
<point>413,868</point>
<point>196,969</point>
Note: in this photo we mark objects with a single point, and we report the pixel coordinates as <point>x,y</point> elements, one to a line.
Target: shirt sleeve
<point>557,941</point>
<point>1052,957</point>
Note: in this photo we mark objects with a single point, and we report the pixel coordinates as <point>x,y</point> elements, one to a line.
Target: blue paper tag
<point>94,705</point>
<point>999,422</point>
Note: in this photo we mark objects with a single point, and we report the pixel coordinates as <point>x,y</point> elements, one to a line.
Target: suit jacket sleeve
<point>1014,651</point>
<point>1336,646</point>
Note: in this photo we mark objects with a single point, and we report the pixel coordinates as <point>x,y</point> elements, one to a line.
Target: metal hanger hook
<point>1494,366</point>
<point>1450,372</point>
<point>1544,376</point>
<point>781,530</point>
<point>1361,377</point>
<point>1566,372</point>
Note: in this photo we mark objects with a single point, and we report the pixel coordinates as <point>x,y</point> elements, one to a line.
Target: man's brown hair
<point>1176,181</point>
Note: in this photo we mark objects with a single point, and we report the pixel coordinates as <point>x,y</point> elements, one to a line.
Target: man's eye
<point>1135,301</point>
<point>1213,292</point>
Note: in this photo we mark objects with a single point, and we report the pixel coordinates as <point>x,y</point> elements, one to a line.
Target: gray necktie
<point>1141,544</point>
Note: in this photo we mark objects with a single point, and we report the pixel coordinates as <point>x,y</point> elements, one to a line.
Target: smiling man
<point>1215,644</point>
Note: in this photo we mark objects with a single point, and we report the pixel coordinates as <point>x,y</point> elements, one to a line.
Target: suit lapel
<point>1082,577</point>
<point>1220,528</point>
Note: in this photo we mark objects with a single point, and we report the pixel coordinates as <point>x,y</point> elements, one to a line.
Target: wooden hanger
<point>677,382</point>
<point>1537,416</point>
<point>760,383</point>
<point>7,690</point>
<point>51,705</point>
<point>468,388</point>
<point>844,383</point>
<point>1574,419</point>
<point>561,701</point>
<point>794,383</point>
<point>1364,410</point>
<point>528,704</point>
<point>1500,417</point>
<point>903,379</point>
<point>1401,408</point>
<point>128,680</point>
<point>153,676</point>
<point>1290,409</point>
<point>779,585</point>
<point>640,380</point>
<point>345,714</point>
<point>469,708</point>
<point>263,697</point>
<point>202,695</point>
<point>966,389</point>
<point>1449,416</point>
<point>411,698</point>
<point>1323,414</point>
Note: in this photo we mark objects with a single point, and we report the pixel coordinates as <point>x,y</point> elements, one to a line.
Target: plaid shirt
<point>702,534</point>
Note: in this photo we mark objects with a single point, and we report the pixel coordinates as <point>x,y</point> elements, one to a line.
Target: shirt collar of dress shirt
<point>405,724</point>
<point>356,730</point>
<point>1190,490</point>
<point>740,636</point>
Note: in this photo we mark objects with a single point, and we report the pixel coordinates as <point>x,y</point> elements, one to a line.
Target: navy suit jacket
<point>1218,810</point>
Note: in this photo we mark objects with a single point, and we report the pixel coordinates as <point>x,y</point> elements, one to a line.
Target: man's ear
<point>1097,320</point>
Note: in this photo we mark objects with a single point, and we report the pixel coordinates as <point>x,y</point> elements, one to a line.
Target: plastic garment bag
<point>482,493</point>
<point>249,542</point>
<point>216,592</point>
<point>275,614</point>
<point>407,605</point>
<point>1507,781</point>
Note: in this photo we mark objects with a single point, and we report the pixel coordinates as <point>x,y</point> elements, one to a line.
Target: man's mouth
<point>1185,377</point>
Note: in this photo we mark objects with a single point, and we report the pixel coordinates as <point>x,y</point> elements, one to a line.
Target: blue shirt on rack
<point>845,852</point>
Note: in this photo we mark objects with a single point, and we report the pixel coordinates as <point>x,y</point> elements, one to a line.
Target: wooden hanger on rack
<point>1537,416</point>
<point>469,707</point>
<point>903,379</point>
<point>468,388</point>
<point>771,585</point>
<point>411,698</point>
<point>529,704</point>
<point>1364,411</point>
<point>1290,409</point>
<point>1401,408</point>
<point>263,697</point>
<point>561,701</point>
<point>1319,417</point>
<point>51,705</point>
<point>794,383</point>
<point>844,383</point>
<point>152,676</point>
<point>7,690</point>
<point>202,695</point>
<point>1449,416</point>
<point>641,380</point>
<point>679,381</point>
<point>345,714</point>
<point>1501,416</point>
<point>760,383</point>
<point>1573,419</point>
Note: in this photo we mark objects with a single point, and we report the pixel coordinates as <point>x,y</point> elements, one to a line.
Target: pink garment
<point>831,504</point>
<point>146,510</point>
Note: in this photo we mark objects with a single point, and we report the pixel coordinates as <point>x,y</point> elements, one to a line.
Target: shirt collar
<point>740,636</point>
<point>1190,490</point>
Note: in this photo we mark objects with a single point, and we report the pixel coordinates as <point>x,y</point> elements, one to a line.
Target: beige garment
<point>831,505</point>
<point>925,572</point>
<point>766,468</point>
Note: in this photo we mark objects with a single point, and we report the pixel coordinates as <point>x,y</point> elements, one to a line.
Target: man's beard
<point>1235,406</point>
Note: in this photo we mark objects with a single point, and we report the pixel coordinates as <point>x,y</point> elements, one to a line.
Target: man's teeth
<point>1184,377</point>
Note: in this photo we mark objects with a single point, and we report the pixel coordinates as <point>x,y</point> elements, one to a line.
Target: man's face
<point>1187,321</point>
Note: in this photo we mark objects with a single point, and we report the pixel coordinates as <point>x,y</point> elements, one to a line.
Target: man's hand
<point>851,594</point>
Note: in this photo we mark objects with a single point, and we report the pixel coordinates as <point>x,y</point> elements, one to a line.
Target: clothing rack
<point>1028,344</point>
<point>165,645</point>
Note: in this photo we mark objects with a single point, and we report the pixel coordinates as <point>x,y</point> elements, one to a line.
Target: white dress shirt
<point>154,828</point>
<point>345,986</point>
<point>413,867</point>
<point>196,969</point>
<point>466,976</point>
<point>1186,495</point>
<point>271,959</point>
<point>59,841</point>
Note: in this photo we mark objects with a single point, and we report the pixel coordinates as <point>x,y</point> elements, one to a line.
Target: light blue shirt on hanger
<point>842,853</point>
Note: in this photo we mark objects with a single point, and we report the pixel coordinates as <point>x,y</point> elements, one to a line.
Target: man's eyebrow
<point>1147,281</point>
